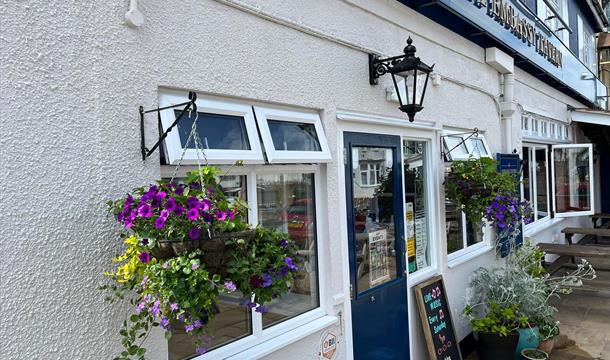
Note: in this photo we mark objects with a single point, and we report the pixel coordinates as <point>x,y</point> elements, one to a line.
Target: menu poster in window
<point>421,240</point>
<point>436,320</point>
<point>378,257</point>
<point>409,217</point>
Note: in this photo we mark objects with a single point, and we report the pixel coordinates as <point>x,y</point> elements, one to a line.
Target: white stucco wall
<point>73,77</point>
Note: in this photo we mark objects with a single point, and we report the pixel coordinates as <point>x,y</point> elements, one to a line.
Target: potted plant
<point>472,184</point>
<point>186,244</point>
<point>549,330</point>
<point>534,354</point>
<point>496,330</point>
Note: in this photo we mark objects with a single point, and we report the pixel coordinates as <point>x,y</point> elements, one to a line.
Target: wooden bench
<point>567,252</point>
<point>601,217</point>
<point>570,231</point>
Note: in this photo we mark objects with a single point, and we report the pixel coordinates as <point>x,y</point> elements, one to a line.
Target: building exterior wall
<point>73,77</point>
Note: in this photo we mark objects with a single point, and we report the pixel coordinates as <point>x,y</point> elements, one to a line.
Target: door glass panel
<point>572,177</point>
<point>418,249</point>
<point>374,216</point>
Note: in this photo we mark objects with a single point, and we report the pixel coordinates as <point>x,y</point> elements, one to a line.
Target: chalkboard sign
<point>436,320</point>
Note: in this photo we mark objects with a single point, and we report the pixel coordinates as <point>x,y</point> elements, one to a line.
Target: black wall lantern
<point>410,76</point>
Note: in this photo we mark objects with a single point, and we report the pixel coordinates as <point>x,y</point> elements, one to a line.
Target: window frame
<point>210,104</point>
<point>591,181</point>
<point>265,113</point>
<point>467,144</point>
<point>534,187</point>
<point>260,335</point>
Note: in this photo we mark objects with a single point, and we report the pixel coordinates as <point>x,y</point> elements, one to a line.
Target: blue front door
<point>376,246</point>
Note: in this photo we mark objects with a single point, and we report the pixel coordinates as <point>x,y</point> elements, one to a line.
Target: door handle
<point>373,298</point>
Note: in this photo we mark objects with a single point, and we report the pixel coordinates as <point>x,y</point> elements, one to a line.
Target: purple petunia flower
<point>248,303</point>
<point>230,285</point>
<point>164,322</point>
<point>179,210</point>
<point>194,234</point>
<point>201,350</point>
<point>205,204</point>
<point>290,264</point>
<point>267,280</point>
<point>262,309</point>
<point>145,257</point>
<point>207,217</point>
<point>221,216</point>
<point>164,214</point>
<point>192,202</point>
<point>283,271</point>
<point>159,223</point>
<point>170,204</point>
<point>283,243</point>
<point>230,214</point>
<point>146,298</point>
<point>194,266</point>
<point>192,214</point>
<point>179,190</point>
<point>145,211</point>
<point>189,328</point>
<point>197,324</point>
<point>161,194</point>
<point>500,215</point>
<point>174,307</point>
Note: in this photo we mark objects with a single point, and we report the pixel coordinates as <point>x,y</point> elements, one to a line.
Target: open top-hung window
<point>229,131</point>
<point>462,146</point>
<point>572,174</point>
<point>226,128</point>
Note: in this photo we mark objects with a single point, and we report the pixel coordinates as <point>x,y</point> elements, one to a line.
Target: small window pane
<point>293,136</point>
<point>287,203</point>
<point>216,131</point>
<point>455,146</point>
<point>453,227</point>
<point>478,147</point>
<point>474,233</point>
<point>541,184</point>
<point>418,248</point>
<point>572,179</point>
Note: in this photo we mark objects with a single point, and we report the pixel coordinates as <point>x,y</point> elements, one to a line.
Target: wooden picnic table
<point>571,231</point>
<point>585,251</point>
<point>602,217</point>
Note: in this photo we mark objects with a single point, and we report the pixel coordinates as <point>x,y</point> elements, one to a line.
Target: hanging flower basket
<point>188,243</point>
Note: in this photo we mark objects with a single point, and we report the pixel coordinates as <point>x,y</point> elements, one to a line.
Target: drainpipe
<point>504,64</point>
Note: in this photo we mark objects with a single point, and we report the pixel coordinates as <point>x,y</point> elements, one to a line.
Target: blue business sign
<point>513,25</point>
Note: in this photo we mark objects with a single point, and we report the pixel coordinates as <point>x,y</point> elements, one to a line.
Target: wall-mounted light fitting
<point>409,74</point>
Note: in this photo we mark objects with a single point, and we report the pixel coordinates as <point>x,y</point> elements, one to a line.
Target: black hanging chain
<point>188,107</point>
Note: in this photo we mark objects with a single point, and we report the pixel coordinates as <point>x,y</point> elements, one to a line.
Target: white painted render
<point>72,78</point>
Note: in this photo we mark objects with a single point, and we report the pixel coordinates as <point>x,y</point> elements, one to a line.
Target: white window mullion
<point>533,182</point>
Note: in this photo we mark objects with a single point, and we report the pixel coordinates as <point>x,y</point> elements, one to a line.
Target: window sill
<point>421,275</point>
<point>286,338</point>
<point>468,255</point>
<point>536,227</point>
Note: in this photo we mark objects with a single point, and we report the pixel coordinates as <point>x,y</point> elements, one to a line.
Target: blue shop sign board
<point>515,29</point>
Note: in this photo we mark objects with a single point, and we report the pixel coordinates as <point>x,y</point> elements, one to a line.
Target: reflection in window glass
<point>287,203</point>
<point>418,250</point>
<point>216,131</point>
<point>478,147</point>
<point>293,136</point>
<point>572,179</point>
<point>526,177</point>
<point>542,206</point>
<point>454,227</point>
<point>374,228</point>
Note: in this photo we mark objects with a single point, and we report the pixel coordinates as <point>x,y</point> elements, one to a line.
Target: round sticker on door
<point>328,345</point>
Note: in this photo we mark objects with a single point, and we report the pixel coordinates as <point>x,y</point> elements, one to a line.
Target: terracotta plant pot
<point>534,354</point>
<point>492,346</point>
<point>547,345</point>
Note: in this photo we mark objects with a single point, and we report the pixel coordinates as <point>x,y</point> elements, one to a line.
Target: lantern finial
<point>410,49</point>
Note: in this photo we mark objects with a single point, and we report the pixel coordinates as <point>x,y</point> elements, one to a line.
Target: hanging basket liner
<point>215,255</point>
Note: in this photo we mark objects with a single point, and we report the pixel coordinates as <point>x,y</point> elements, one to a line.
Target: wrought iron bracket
<point>475,132</point>
<point>188,107</point>
<point>379,67</point>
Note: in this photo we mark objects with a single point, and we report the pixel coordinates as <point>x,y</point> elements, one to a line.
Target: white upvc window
<point>292,136</point>
<point>551,15</point>
<point>286,198</point>
<point>586,46</point>
<point>537,128</point>
<point>370,173</point>
<point>462,146</point>
<point>463,237</point>
<point>572,179</point>
<point>227,129</point>
<point>535,182</point>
